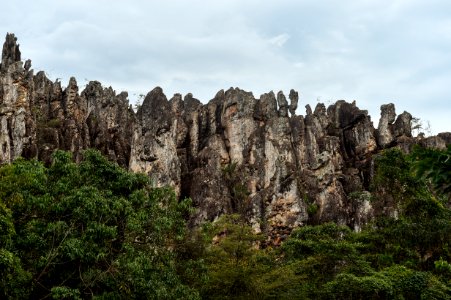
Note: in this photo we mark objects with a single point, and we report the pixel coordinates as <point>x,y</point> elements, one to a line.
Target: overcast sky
<point>371,51</point>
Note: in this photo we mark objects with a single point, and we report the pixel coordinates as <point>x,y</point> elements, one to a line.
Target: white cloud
<point>371,51</point>
<point>279,40</point>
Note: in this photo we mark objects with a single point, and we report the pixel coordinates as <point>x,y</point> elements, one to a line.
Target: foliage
<point>435,166</point>
<point>237,189</point>
<point>87,230</point>
<point>233,260</point>
<point>392,177</point>
<point>406,257</point>
<point>424,223</point>
<point>93,230</point>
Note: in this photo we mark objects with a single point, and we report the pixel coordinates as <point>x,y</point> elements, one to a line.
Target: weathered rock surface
<point>236,153</point>
<point>38,116</point>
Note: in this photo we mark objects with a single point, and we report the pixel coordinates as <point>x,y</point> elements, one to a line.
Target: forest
<point>94,230</point>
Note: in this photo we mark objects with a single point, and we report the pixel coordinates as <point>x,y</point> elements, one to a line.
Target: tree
<point>239,194</point>
<point>12,275</point>
<point>233,260</point>
<point>418,125</point>
<point>434,166</point>
<point>90,230</point>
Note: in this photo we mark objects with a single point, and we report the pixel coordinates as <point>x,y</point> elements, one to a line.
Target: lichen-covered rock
<point>17,132</point>
<point>37,116</point>
<point>10,52</point>
<point>384,130</point>
<point>294,98</point>
<point>390,130</point>
<point>154,141</point>
<point>236,153</point>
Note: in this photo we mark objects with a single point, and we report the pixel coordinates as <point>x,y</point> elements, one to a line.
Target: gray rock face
<point>237,153</point>
<point>17,132</point>
<point>10,52</point>
<point>294,98</point>
<point>38,116</point>
<point>390,130</point>
<point>154,141</point>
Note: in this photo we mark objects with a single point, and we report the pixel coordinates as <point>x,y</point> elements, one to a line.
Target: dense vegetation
<point>93,230</point>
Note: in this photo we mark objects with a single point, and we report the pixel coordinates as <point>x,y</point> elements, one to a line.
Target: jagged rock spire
<point>294,97</point>
<point>283,104</point>
<point>10,52</point>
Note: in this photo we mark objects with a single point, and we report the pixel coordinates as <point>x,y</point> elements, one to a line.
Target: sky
<point>371,51</point>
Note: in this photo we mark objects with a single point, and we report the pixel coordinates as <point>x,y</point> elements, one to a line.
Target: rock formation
<point>235,153</point>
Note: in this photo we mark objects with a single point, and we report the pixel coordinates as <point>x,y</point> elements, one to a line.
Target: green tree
<point>404,256</point>
<point>434,166</point>
<point>239,194</point>
<point>321,252</point>
<point>422,231</point>
<point>89,230</point>
<point>12,275</point>
<point>233,260</point>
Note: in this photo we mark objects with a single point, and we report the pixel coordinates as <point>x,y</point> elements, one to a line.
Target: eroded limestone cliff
<point>235,153</point>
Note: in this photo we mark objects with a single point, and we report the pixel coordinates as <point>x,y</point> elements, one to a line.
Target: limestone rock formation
<point>236,153</point>
<point>38,116</point>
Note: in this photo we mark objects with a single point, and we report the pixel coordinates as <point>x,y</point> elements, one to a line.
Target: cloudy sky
<point>371,51</point>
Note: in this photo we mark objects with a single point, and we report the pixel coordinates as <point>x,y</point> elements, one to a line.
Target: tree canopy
<point>88,230</point>
<point>94,230</point>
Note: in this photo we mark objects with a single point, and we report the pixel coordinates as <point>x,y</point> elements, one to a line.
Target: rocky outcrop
<point>17,130</point>
<point>38,116</point>
<point>236,153</point>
